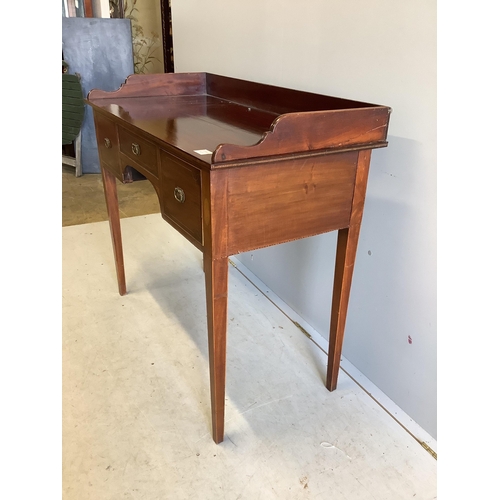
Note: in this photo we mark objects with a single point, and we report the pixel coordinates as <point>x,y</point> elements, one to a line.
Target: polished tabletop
<point>192,123</point>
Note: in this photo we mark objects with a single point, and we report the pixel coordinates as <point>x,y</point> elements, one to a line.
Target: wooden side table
<point>237,166</point>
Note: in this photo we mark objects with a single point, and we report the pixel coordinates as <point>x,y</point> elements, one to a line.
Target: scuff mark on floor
<point>325,444</point>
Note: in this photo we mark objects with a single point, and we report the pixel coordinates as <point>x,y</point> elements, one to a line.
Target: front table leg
<point>111,195</point>
<point>216,279</point>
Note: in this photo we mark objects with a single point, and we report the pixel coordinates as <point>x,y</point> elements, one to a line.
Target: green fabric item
<point>73,107</point>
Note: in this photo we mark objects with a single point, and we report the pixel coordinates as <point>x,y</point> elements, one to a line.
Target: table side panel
<point>286,200</point>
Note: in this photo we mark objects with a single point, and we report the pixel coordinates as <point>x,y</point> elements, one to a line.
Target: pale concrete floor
<point>136,403</point>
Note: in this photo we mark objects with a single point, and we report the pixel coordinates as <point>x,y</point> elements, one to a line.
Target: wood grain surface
<point>238,166</point>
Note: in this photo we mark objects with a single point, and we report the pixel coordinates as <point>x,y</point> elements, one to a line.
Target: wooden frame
<point>89,12</point>
<point>167,35</point>
<point>87,9</point>
<point>118,9</point>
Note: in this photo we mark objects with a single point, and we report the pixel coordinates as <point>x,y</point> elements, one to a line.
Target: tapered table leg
<point>347,243</point>
<point>216,276</point>
<point>111,196</point>
<point>344,265</point>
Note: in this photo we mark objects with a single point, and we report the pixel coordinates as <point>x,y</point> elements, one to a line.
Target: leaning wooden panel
<point>285,200</point>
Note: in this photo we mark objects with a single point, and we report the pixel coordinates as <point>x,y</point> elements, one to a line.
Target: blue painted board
<point>100,51</point>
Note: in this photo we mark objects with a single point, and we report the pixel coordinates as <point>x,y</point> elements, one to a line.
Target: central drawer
<point>139,150</point>
<point>181,194</point>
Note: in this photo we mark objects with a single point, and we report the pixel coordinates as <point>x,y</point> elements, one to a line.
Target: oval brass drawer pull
<point>179,194</point>
<point>136,149</point>
<point>107,142</point>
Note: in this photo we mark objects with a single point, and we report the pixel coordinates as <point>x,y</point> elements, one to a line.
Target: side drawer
<point>139,150</point>
<point>181,194</point>
<point>107,141</point>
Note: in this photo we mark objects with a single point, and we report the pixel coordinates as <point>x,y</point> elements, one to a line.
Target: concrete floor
<point>136,404</point>
<point>83,198</point>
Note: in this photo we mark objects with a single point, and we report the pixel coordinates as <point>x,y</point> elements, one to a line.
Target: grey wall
<point>382,52</point>
<point>100,50</point>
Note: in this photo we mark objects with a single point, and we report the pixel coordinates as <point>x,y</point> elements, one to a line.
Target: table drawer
<point>107,141</point>
<point>181,194</point>
<point>139,150</point>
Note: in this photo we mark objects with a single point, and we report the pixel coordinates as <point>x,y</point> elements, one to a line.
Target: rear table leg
<point>344,265</point>
<point>347,243</point>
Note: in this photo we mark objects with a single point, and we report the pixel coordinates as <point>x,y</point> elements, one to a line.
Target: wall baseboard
<point>423,437</point>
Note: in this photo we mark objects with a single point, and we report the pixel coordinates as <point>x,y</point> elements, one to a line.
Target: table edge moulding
<point>231,161</point>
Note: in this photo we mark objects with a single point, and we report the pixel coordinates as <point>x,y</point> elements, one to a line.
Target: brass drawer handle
<point>179,194</point>
<point>107,142</point>
<point>136,149</point>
